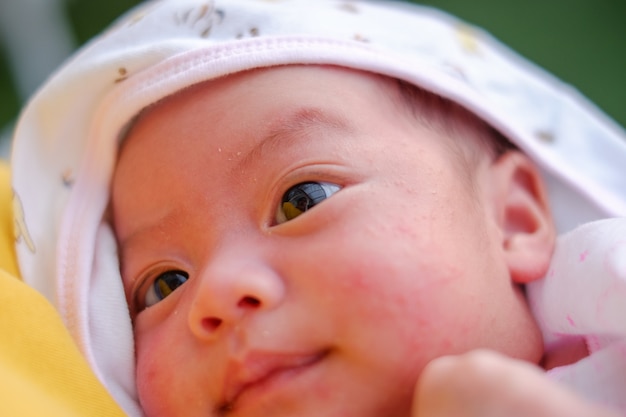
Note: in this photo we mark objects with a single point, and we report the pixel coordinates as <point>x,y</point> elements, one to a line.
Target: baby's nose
<point>230,289</point>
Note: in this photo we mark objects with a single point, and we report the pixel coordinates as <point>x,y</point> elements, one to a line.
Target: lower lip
<point>281,385</point>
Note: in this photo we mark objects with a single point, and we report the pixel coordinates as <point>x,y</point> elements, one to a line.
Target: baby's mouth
<point>263,371</point>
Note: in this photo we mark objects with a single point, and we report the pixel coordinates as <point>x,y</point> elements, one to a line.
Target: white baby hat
<point>66,138</point>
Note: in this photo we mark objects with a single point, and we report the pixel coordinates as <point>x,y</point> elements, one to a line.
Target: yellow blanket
<point>42,373</point>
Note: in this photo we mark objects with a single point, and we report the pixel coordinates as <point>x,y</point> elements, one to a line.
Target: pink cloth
<point>584,294</point>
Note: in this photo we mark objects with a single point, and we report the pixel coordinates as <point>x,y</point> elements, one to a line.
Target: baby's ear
<point>523,214</point>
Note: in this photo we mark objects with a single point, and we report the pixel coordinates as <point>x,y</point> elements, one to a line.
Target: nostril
<point>211,323</point>
<point>249,302</point>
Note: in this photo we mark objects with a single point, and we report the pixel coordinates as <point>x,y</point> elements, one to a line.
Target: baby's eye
<point>164,285</point>
<point>302,197</point>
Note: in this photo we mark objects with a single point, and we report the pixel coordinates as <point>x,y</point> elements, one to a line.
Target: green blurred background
<point>581,41</point>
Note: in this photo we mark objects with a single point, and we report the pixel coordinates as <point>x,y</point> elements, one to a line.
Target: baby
<point>382,271</point>
<point>298,209</point>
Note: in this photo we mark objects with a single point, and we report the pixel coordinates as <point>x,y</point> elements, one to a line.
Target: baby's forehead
<point>264,111</point>
<point>277,99</point>
<point>263,119</point>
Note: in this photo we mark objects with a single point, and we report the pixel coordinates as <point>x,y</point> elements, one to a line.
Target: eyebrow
<point>289,130</point>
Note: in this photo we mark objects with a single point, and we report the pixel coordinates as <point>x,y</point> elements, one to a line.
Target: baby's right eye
<point>164,284</point>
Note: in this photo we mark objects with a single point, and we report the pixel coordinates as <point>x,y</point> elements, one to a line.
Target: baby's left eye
<point>302,197</point>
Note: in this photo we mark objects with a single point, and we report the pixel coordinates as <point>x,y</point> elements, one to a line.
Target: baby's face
<point>323,247</point>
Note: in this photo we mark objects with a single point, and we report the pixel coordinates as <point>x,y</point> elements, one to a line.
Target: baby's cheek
<point>157,384</point>
<point>150,387</point>
<point>407,303</point>
<point>151,371</point>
